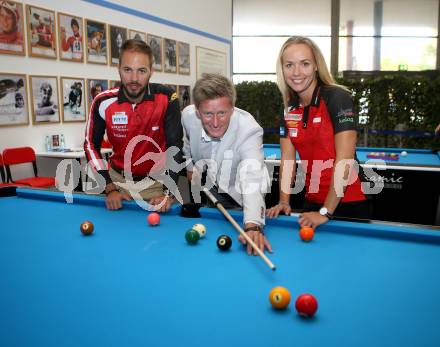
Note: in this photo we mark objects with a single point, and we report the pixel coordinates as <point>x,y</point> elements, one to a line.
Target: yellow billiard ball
<point>201,229</point>
<point>279,297</point>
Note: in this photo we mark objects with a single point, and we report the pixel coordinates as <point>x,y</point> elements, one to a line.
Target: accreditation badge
<point>293,132</point>
<point>119,118</point>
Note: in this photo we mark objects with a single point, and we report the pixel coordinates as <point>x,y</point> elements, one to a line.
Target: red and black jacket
<point>312,130</point>
<point>157,116</point>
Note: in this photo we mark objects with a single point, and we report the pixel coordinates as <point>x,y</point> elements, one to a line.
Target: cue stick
<point>239,229</point>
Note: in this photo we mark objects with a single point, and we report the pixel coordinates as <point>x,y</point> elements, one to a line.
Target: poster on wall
<point>44,96</point>
<point>118,36</point>
<point>13,100</point>
<point>94,87</point>
<point>11,28</point>
<point>210,61</point>
<point>170,55</point>
<point>183,58</point>
<point>71,36</point>
<point>156,44</point>
<point>137,35</point>
<point>184,94</point>
<point>96,42</point>
<point>73,106</point>
<point>41,32</point>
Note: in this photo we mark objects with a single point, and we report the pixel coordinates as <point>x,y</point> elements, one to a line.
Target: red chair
<point>3,176</point>
<point>23,155</point>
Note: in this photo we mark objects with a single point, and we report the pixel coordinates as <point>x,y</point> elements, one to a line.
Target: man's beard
<point>132,95</point>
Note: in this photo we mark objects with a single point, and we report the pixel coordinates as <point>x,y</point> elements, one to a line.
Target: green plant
<point>385,104</point>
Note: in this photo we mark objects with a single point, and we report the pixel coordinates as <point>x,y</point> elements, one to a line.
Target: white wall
<point>208,16</point>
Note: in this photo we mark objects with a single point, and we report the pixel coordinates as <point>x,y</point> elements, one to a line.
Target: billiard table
<point>131,284</point>
<point>411,192</point>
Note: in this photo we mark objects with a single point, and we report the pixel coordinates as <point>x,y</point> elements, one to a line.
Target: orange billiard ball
<point>153,218</point>
<point>306,233</point>
<point>87,228</point>
<point>279,297</point>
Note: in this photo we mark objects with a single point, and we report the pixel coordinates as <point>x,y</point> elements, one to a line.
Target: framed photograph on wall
<point>210,61</point>
<point>14,99</point>
<point>96,42</point>
<point>137,35</point>
<point>184,94</point>
<point>44,96</point>
<point>71,37</point>
<point>41,33</point>
<point>183,58</point>
<point>156,44</point>
<point>94,87</point>
<point>114,84</point>
<point>11,28</point>
<point>118,36</point>
<point>170,55</point>
<point>73,95</point>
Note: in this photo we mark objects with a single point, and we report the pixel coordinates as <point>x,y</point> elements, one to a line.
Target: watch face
<point>323,211</point>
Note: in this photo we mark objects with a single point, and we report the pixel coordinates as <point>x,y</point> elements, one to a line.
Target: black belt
<point>135,178</point>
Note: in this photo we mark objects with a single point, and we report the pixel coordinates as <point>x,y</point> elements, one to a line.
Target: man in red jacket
<point>142,121</point>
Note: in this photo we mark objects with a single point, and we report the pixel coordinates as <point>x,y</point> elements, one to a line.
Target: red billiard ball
<point>87,228</point>
<point>153,218</point>
<point>306,233</point>
<point>306,305</point>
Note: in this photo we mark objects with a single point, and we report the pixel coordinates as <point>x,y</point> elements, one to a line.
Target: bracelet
<point>111,191</point>
<point>254,228</point>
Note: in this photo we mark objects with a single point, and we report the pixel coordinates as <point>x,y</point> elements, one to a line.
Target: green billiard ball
<point>192,236</point>
<point>224,242</point>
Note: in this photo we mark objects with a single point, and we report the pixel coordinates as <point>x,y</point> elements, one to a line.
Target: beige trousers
<point>151,191</point>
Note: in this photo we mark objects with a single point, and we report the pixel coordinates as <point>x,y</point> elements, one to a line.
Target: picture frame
<point>170,55</point>
<point>70,37</point>
<point>96,42</point>
<point>156,45</point>
<point>73,106</point>
<point>137,35</point>
<point>184,95</point>
<point>41,32</point>
<point>12,28</point>
<point>14,108</point>
<point>210,61</point>
<point>183,58</point>
<point>45,101</point>
<point>55,142</point>
<point>94,87</point>
<point>118,36</point>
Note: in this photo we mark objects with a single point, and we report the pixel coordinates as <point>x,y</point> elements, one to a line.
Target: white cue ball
<point>404,153</point>
<point>200,228</point>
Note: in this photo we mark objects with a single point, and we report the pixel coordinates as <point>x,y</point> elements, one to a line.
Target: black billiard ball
<point>86,228</point>
<point>224,242</point>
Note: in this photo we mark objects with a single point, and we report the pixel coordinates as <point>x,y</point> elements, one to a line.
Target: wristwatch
<point>324,212</point>
<point>255,228</point>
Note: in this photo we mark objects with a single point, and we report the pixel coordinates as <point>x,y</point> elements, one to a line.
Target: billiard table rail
<point>371,228</point>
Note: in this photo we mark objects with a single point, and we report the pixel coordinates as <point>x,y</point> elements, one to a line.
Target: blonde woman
<point>318,122</point>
